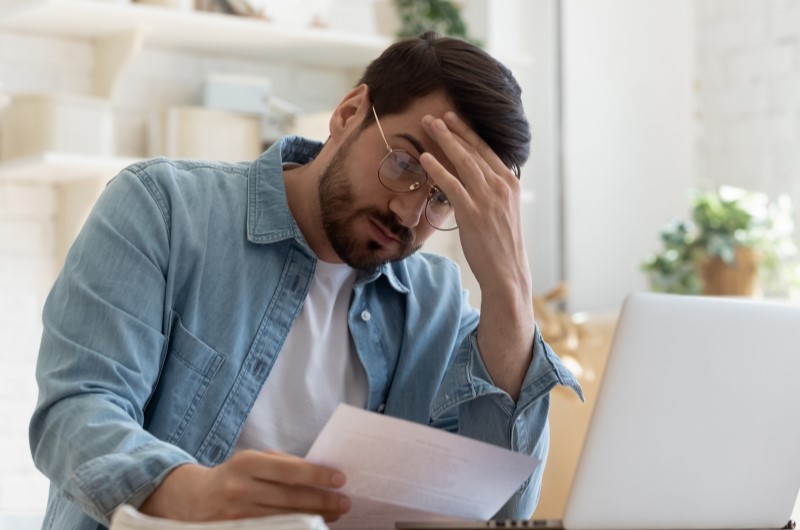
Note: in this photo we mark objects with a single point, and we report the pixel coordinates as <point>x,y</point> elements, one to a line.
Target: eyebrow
<point>413,141</point>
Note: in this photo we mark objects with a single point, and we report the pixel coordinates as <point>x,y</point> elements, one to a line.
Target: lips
<point>382,234</point>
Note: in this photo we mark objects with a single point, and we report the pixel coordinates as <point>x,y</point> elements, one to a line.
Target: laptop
<point>696,424</point>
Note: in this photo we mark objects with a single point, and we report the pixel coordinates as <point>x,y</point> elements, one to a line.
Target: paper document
<point>403,471</point>
<point>128,518</point>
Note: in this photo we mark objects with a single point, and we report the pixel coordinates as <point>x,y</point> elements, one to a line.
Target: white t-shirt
<point>316,369</point>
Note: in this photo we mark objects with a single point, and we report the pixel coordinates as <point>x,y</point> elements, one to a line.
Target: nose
<point>410,207</point>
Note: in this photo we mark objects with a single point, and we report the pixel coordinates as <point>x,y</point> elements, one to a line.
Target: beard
<point>339,218</point>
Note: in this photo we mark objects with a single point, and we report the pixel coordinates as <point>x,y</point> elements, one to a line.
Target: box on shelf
<point>297,15</point>
<point>278,119</point>
<point>237,92</point>
<point>35,123</point>
<point>314,125</point>
<point>197,132</point>
<point>182,5</point>
<point>251,94</point>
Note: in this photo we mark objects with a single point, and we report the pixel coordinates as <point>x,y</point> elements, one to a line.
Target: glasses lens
<point>400,171</point>
<point>439,211</point>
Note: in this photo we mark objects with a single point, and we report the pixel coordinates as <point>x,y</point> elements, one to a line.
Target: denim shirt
<point>173,304</point>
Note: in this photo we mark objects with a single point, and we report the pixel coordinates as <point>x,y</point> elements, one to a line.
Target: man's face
<point>367,224</point>
<point>342,219</point>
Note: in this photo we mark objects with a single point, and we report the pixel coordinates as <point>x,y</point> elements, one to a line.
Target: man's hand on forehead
<point>485,196</point>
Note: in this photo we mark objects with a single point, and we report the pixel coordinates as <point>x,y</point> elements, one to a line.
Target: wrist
<point>512,295</point>
<point>172,498</point>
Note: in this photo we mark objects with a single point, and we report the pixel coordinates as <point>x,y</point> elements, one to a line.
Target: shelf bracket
<point>112,54</point>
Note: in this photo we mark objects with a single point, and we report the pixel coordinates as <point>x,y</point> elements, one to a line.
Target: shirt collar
<point>269,219</point>
<point>268,216</point>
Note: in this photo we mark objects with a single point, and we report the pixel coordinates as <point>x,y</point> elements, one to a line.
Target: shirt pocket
<point>189,367</point>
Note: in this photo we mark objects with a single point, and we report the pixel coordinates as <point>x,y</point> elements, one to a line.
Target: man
<point>211,316</point>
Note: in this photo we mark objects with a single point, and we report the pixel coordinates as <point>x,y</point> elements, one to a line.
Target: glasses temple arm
<point>377,121</point>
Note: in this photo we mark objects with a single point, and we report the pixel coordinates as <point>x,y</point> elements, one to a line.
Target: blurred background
<point>666,147</point>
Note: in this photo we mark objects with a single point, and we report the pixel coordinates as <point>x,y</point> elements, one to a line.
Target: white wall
<point>628,138</point>
<point>536,22</point>
<point>27,243</point>
<point>749,78</point>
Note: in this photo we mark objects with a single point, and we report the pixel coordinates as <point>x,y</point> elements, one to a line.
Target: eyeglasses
<point>402,173</point>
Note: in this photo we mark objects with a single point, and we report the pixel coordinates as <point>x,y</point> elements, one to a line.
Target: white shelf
<point>212,33</point>
<point>62,167</point>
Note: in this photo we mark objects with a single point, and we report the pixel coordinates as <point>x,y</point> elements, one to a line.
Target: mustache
<point>390,221</point>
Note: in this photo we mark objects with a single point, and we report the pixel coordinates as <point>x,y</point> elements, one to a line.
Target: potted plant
<point>408,18</point>
<point>735,242</point>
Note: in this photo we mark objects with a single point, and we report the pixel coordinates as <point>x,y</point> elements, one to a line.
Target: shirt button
<point>381,407</point>
<point>365,316</point>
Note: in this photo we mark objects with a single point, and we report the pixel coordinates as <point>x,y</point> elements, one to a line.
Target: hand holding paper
<point>399,470</point>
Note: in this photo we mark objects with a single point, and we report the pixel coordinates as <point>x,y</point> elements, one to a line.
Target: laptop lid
<point>697,422</point>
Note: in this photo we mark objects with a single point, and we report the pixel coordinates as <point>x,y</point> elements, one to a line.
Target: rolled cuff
<point>486,412</point>
<point>103,484</point>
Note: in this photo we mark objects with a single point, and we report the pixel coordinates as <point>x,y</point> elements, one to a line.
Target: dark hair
<point>481,89</point>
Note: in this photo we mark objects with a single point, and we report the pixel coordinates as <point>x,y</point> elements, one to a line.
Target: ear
<point>349,114</point>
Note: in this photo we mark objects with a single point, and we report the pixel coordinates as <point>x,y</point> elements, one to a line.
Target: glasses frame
<point>433,188</point>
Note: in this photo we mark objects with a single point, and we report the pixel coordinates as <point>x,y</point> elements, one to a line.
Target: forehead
<point>435,104</point>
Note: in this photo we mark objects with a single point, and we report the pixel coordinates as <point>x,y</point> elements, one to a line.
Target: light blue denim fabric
<point>173,304</point>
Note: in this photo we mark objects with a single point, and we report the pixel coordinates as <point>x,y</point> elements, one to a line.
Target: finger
<point>287,469</point>
<point>497,182</point>
<point>467,169</point>
<point>486,169</point>
<point>462,129</point>
<point>331,517</point>
<point>300,498</point>
<point>450,185</point>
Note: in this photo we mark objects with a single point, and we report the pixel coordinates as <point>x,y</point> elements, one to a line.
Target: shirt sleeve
<point>487,413</point>
<point>101,354</point>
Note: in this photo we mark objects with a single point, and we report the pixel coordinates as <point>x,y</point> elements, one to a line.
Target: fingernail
<point>439,124</point>
<point>344,504</point>
<point>337,480</point>
<point>451,116</point>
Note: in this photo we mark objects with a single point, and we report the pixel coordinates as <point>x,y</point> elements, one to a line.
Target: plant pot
<point>739,278</point>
